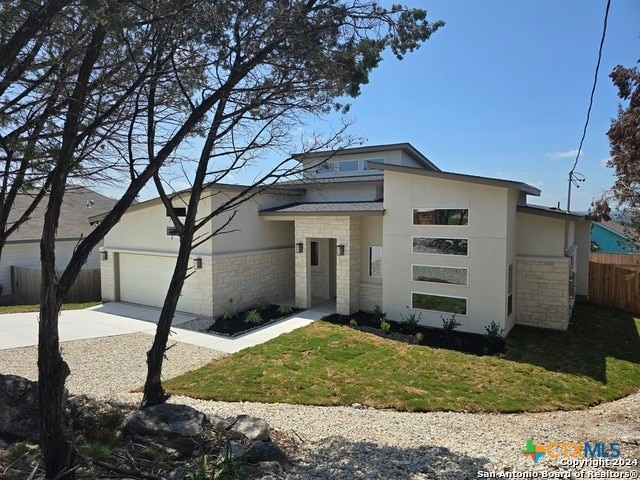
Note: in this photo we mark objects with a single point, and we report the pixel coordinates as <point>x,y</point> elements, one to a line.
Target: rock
<point>236,450</point>
<point>251,428</point>
<point>166,419</point>
<point>266,452</point>
<point>19,414</point>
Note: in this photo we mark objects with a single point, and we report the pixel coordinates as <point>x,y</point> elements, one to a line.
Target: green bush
<point>411,319</point>
<point>285,309</point>
<point>253,316</point>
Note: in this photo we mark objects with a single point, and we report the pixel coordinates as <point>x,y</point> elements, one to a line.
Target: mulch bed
<point>237,326</point>
<point>431,337</point>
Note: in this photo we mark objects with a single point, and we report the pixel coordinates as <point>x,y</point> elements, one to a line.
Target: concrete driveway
<point>118,318</point>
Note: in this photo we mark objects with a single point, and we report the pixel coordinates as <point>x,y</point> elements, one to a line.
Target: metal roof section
<point>459,177</point>
<point>326,209</point>
<point>551,212</point>
<point>404,147</point>
<point>316,180</point>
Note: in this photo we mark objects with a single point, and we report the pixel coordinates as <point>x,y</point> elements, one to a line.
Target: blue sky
<point>502,91</point>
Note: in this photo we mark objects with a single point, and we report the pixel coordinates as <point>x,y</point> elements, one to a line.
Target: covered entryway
<point>144,279</point>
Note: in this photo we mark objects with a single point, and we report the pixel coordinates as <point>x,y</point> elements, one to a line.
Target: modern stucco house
<point>375,225</point>
<point>23,246</point>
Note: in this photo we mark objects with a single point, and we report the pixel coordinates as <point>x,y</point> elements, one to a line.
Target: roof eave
<point>460,177</point>
<point>557,214</point>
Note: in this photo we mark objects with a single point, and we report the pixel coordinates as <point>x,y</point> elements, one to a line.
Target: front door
<point>322,270</point>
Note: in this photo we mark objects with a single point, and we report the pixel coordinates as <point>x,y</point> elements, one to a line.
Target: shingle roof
<point>78,204</point>
<point>615,227</point>
<point>327,208</point>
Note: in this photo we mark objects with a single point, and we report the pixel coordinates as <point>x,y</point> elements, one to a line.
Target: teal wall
<point>607,240</point>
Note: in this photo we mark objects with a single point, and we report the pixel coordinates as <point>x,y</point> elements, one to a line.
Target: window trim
<point>413,209</point>
<point>322,169</point>
<point>445,254</point>
<point>440,266</point>
<point>466,299</point>
<point>381,254</point>
<point>311,264</point>
<point>372,159</point>
<point>511,276</point>
<point>356,161</point>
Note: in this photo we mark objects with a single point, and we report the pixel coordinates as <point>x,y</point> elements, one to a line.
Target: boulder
<point>166,419</point>
<point>251,428</point>
<point>266,452</point>
<point>19,414</point>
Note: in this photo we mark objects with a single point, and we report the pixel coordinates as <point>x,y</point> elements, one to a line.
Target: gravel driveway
<point>361,443</point>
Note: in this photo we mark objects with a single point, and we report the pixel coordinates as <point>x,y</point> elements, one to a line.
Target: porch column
<point>302,234</point>
<point>348,266</point>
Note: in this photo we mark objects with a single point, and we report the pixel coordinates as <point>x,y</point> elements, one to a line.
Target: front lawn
<point>598,360</point>
<point>36,308</point>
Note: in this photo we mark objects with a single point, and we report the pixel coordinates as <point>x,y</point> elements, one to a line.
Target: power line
<point>573,179</point>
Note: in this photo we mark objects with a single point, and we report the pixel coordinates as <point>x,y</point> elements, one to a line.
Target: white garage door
<point>144,279</point>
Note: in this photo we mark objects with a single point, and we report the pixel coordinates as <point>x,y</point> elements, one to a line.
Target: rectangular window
<point>429,273</point>
<point>441,216</point>
<point>179,211</point>
<point>439,303</point>
<point>326,168</point>
<point>441,246</point>
<point>365,163</point>
<point>315,257</point>
<point>172,231</point>
<point>375,262</point>
<point>349,166</point>
<point>510,290</point>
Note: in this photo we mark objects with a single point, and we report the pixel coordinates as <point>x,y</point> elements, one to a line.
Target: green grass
<point>597,360</point>
<point>36,308</point>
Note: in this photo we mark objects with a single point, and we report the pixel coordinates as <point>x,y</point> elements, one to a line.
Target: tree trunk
<point>57,452</point>
<point>154,394</point>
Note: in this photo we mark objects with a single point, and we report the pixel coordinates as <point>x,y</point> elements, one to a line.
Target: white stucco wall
<point>487,259</point>
<point>364,192</point>
<point>539,235</point>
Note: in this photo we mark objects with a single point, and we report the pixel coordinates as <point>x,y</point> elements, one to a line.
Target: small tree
<point>624,139</point>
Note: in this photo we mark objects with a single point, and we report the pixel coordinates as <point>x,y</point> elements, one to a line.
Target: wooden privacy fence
<point>25,286</point>
<point>615,258</point>
<point>615,285</point>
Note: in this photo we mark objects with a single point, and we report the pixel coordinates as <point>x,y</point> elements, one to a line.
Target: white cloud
<point>560,155</point>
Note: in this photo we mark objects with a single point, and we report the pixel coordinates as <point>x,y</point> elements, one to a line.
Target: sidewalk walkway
<point>119,318</point>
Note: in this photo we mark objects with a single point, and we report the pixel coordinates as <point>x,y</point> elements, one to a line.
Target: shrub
<point>450,324</point>
<point>263,305</point>
<point>385,326</point>
<point>419,337</point>
<point>411,319</point>
<point>253,316</point>
<point>378,313</point>
<point>494,331</point>
<point>285,309</point>
<point>353,322</point>
<point>229,314</point>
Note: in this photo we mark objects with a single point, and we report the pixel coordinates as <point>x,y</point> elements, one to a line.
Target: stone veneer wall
<point>370,296</point>
<point>348,232</point>
<point>108,278</point>
<point>248,278</point>
<point>542,292</point>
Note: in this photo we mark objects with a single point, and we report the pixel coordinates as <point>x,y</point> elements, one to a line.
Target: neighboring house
<point>23,246</point>
<point>378,225</point>
<point>609,237</point>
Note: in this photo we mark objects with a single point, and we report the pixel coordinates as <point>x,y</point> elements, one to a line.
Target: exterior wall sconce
<point>299,248</point>
<point>340,250</point>
<point>104,255</point>
<point>197,263</point>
